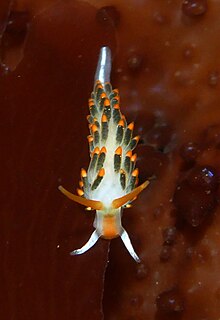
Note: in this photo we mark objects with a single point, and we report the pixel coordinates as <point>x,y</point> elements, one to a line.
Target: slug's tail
<point>103,69</point>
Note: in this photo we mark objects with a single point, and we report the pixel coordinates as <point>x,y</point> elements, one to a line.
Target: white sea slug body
<point>110,183</point>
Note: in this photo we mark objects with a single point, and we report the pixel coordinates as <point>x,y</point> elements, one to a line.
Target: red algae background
<point>166,66</point>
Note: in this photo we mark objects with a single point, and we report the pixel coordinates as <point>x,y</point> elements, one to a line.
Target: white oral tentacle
<point>127,242</point>
<point>92,240</point>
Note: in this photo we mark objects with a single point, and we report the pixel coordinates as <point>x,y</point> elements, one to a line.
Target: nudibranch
<point>110,183</point>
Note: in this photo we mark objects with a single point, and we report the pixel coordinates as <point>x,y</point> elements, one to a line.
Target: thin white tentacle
<point>92,240</point>
<point>127,242</point>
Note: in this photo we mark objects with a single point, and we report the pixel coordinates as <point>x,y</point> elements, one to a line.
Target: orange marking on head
<point>101,172</point>
<point>104,118</point>
<point>131,126</point>
<point>129,154</point>
<point>103,150</point>
<point>116,91</point>
<point>118,151</point>
<point>110,229</point>
<point>80,192</point>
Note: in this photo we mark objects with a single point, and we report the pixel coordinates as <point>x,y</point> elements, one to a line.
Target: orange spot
<point>101,172</point>
<point>116,106</point>
<point>96,150</point>
<point>110,228</point>
<point>81,184</point>
<point>137,138</point>
<point>90,138</point>
<point>121,123</point>
<point>104,118</point>
<point>91,102</point>
<point>134,157</point>
<point>83,173</point>
<point>106,103</point>
<point>116,91</point>
<point>80,192</point>
<point>94,128</point>
<point>99,85</point>
<point>129,154</point>
<point>135,172</point>
<point>118,151</point>
<point>103,150</point>
<point>103,95</point>
<point>131,126</point>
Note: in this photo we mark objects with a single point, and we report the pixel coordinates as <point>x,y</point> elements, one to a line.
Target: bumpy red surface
<point>166,66</point>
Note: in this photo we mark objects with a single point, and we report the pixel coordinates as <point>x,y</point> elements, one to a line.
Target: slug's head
<point>108,219</point>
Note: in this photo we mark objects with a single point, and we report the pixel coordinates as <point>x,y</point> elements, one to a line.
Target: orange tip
<point>121,123</point>
<point>103,150</point>
<point>81,184</point>
<point>80,192</point>
<point>104,118</point>
<point>116,91</point>
<point>135,172</point>
<point>101,172</point>
<point>137,138</point>
<point>94,128</point>
<point>83,173</point>
<point>129,154</point>
<point>131,126</point>
<point>134,157</point>
<point>96,150</point>
<point>103,95</point>
<point>118,151</point>
<point>90,138</point>
<point>106,103</point>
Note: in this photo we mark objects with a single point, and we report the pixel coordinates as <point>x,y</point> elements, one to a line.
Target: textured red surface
<point>166,66</point>
<point>43,130</point>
